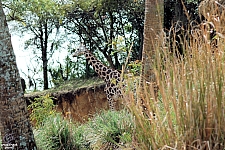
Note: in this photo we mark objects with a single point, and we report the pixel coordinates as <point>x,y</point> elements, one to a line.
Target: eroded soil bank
<point>76,100</point>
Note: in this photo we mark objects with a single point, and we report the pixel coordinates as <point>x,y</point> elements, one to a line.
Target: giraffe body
<point>110,76</point>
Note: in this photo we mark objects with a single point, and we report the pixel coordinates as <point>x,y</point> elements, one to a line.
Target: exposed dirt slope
<point>77,100</point>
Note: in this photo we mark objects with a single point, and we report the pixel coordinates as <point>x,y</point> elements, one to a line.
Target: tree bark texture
<point>16,131</point>
<point>44,45</point>
<point>153,25</point>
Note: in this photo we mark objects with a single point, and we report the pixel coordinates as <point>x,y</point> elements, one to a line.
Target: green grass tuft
<point>56,133</point>
<point>106,130</point>
<point>114,128</point>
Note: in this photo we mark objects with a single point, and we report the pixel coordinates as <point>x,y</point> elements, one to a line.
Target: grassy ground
<point>71,85</point>
<point>107,130</point>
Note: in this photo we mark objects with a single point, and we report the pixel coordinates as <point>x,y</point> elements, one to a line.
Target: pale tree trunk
<point>16,131</point>
<point>153,25</point>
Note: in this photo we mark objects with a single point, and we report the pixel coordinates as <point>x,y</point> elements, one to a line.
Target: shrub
<point>110,129</point>
<point>58,134</point>
<point>107,130</point>
<point>41,108</point>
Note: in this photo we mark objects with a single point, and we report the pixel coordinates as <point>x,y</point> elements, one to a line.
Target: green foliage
<point>42,20</point>
<point>134,67</point>
<point>56,76</point>
<point>57,133</point>
<point>80,140</point>
<point>101,24</point>
<point>187,10</point>
<point>98,23</point>
<point>111,127</point>
<point>108,127</point>
<point>41,108</point>
<point>41,9</point>
<point>63,72</point>
<point>193,1</point>
<point>52,24</point>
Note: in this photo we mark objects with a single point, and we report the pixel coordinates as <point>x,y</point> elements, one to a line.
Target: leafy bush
<point>134,67</point>
<point>41,108</point>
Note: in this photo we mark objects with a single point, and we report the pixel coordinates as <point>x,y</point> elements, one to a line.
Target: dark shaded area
<point>175,11</point>
<point>23,83</point>
<point>178,17</point>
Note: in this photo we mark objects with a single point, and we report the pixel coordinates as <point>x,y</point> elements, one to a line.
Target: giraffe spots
<point>103,73</point>
<point>86,55</point>
<point>96,66</point>
<point>107,77</point>
<point>110,76</point>
<point>100,66</point>
<point>111,90</point>
<point>109,71</point>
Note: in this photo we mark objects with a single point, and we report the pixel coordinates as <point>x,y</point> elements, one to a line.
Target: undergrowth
<point>110,129</point>
<point>55,134</point>
<point>41,108</point>
<point>106,130</point>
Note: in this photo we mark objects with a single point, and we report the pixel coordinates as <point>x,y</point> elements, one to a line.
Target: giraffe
<point>110,76</point>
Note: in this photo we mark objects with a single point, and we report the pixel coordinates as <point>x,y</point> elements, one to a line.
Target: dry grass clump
<point>189,112</point>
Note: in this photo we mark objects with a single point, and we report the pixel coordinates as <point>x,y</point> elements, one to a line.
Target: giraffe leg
<point>111,102</point>
<point>109,97</point>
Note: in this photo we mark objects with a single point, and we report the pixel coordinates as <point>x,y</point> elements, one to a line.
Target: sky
<point>22,57</point>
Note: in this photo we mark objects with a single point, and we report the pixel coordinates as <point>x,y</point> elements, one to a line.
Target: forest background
<point>45,33</point>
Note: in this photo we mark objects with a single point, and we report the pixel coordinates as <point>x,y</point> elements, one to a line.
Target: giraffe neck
<point>98,66</point>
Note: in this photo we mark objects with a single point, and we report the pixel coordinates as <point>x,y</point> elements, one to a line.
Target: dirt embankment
<point>78,103</point>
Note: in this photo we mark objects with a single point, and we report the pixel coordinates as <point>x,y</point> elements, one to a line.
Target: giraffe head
<point>80,51</point>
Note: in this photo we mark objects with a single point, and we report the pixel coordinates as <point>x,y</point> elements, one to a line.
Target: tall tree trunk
<point>44,46</point>
<point>16,131</point>
<point>153,25</point>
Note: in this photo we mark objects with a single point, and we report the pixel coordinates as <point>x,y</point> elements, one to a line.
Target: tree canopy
<point>106,27</point>
<point>42,20</point>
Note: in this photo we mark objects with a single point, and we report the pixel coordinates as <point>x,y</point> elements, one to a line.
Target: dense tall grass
<point>110,130</point>
<point>106,130</point>
<point>57,134</point>
<point>189,112</point>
